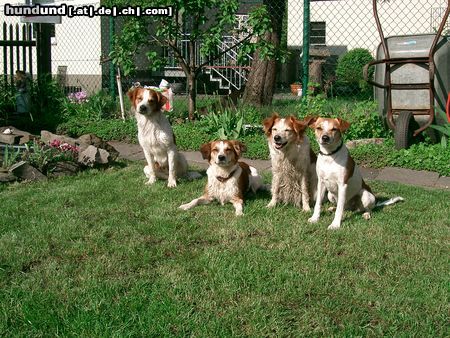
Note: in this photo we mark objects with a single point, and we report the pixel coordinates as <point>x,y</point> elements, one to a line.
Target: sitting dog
<point>156,137</point>
<point>338,173</point>
<point>293,162</point>
<point>228,178</point>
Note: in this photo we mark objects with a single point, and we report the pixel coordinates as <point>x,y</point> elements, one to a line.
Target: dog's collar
<point>334,151</point>
<point>222,179</point>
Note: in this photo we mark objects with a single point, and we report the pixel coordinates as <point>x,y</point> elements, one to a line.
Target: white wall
<point>77,45</point>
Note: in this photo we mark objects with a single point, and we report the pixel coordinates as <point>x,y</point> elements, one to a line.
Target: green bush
<point>95,108</point>
<point>7,100</point>
<point>349,71</point>
<point>107,129</point>
<point>362,115</point>
<point>422,156</point>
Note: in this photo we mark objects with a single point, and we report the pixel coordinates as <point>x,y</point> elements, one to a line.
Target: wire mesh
<point>80,44</point>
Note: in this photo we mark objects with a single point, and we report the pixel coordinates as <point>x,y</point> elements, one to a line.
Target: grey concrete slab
<point>369,173</point>
<point>131,152</point>
<point>408,176</point>
<point>443,182</point>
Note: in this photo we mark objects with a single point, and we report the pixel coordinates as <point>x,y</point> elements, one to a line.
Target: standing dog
<point>293,162</point>
<point>156,137</point>
<point>338,173</point>
<point>228,178</point>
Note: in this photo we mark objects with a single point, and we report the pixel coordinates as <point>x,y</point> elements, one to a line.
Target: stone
<point>6,177</point>
<point>23,135</point>
<point>407,176</point>
<point>93,156</point>
<point>10,138</point>
<point>25,171</point>
<point>91,139</point>
<point>48,137</point>
<point>65,168</point>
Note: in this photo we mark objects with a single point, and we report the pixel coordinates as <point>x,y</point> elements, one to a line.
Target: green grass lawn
<point>101,254</point>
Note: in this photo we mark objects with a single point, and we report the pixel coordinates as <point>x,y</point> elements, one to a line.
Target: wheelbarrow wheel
<point>405,125</point>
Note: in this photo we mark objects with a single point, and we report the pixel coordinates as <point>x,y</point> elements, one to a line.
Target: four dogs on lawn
<point>299,176</point>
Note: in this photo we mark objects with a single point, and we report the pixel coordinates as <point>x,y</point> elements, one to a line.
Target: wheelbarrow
<point>412,77</point>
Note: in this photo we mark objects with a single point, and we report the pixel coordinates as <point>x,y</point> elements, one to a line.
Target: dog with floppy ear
<point>228,178</point>
<point>156,137</point>
<point>293,162</point>
<point>337,173</point>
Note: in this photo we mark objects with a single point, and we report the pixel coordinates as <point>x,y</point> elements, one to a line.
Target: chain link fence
<point>80,46</point>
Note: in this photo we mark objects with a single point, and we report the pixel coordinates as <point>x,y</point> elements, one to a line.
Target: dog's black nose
<point>325,138</point>
<point>142,108</point>
<point>277,138</point>
<point>221,157</point>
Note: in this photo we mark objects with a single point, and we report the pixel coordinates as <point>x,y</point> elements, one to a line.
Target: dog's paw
<point>331,209</point>
<point>151,180</point>
<point>366,215</point>
<point>172,183</point>
<point>334,226</point>
<point>306,208</point>
<point>239,213</point>
<point>271,204</point>
<point>313,219</point>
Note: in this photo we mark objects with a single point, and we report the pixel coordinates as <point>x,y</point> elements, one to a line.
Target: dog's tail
<point>193,175</point>
<point>389,201</point>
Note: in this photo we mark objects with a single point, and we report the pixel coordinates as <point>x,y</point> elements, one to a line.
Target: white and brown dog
<point>293,162</point>
<point>337,173</point>
<point>228,178</point>
<point>156,137</point>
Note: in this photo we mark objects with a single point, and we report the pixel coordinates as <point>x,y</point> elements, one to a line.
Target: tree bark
<point>260,86</point>
<point>192,95</point>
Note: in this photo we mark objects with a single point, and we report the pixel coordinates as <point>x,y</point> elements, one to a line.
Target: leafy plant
<point>93,108</point>
<point>44,157</point>
<point>7,99</point>
<point>9,158</point>
<point>444,129</point>
<point>226,124</point>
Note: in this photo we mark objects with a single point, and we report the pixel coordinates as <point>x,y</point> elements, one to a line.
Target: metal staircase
<point>225,70</point>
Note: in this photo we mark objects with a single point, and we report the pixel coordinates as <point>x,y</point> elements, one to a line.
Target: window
<point>317,33</point>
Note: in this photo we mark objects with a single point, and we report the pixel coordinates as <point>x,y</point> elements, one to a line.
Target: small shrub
<point>349,71</point>
<point>7,99</point>
<point>94,108</point>
<point>420,156</point>
<point>107,129</point>
<point>10,157</point>
<point>226,125</point>
<point>46,104</point>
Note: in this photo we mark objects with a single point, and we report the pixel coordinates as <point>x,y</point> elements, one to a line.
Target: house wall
<point>350,23</point>
<point>76,46</point>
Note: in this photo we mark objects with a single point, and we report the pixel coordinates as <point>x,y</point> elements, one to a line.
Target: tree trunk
<point>192,95</point>
<point>260,86</point>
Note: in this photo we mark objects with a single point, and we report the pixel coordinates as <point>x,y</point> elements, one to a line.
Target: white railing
<point>225,70</point>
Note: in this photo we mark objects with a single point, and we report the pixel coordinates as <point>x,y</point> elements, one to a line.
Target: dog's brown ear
<point>205,149</point>
<point>239,147</point>
<point>310,121</point>
<point>343,125</point>
<point>268,123</point>
<point>161,99</point>
<point>132,93</point>
<point>298,125</point>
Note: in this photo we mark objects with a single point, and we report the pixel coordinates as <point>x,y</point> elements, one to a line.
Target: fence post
<point>305,58</point>
<point>112,83</point>
<point>44,54</point>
